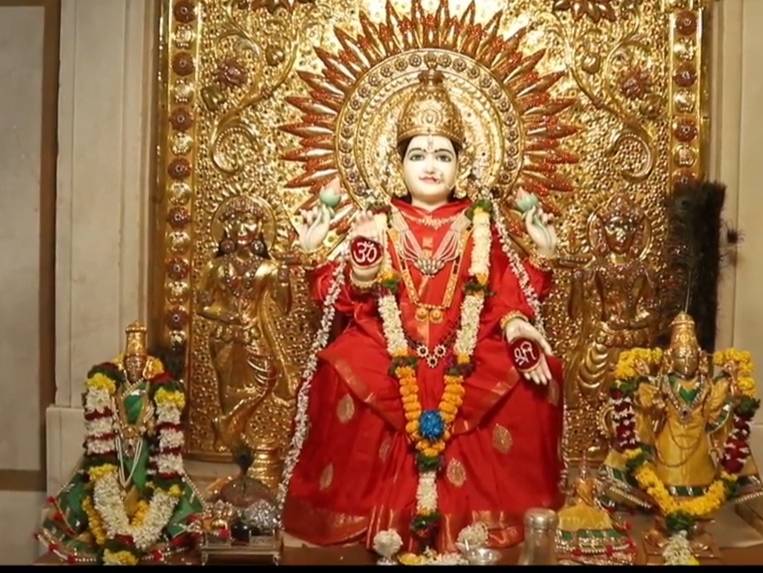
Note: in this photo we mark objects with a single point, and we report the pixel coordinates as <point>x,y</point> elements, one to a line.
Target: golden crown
<point>683,332</point>
<point>430,111</point>
<point>240,207</point>
<point>136,340</point>
<point>623,208</point>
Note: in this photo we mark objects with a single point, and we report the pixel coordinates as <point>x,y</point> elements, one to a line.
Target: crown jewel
<point>430,111</point>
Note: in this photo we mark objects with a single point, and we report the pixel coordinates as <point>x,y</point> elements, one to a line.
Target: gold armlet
<point>540,262</point>
<point>507,318</point>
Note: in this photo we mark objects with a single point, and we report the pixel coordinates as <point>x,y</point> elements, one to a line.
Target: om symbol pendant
<point>365,252</point>
<point>525,353</point>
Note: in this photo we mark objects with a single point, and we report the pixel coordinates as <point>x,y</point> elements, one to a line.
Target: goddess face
<point>430,169</point>
<point>685,360</point>
<point>244,230</point>
<point>619,234</point>
<point>134,365</point>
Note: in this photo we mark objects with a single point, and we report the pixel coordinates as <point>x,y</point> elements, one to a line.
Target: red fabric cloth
<point>356,474</point>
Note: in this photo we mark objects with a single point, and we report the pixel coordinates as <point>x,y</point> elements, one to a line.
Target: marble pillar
<point>106,113</point>
<point>22,190</point>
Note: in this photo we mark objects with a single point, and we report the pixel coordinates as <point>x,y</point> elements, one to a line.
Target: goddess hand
<point>539,225</point>
<point>314,228</point>
<point>520,328</point>
<point>366,256</point>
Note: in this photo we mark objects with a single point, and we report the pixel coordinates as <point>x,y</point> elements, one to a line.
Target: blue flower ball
<point>431,425</point>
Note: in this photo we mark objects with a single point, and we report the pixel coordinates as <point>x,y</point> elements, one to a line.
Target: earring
<point>258,247</point>
<point>459,192</point>
<point>227,246</point>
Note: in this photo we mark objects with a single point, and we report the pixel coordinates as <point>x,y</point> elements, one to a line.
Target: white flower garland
<point>677,550</point>
<point>108,495</point>
<point>390,314</point>
<point>301,420</point>
<point>466,336</point>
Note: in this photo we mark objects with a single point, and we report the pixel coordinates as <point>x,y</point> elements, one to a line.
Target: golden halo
<point>245,205</point>
<point>511,116</point>
<point>368,126</point>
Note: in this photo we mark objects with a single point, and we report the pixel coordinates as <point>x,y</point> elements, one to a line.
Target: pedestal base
<point>752,513</point>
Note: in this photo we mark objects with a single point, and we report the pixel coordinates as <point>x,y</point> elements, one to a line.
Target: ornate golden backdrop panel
<point>596,106</point>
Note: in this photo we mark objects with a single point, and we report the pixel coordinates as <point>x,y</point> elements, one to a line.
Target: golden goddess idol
<point>435,407</point>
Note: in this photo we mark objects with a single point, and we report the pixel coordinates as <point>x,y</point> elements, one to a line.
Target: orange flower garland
<point>430,431</point>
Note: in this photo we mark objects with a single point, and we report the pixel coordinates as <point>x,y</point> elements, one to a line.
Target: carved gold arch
<point>265,98</point>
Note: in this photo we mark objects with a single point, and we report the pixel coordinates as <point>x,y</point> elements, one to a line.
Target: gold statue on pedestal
<point>587,533</point>
<point>610,295</point>
<point>129,499</point>
<point>681,436</point>
<point>244,352</point>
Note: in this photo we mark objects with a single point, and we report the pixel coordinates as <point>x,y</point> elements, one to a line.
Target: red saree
<point>357,474</point>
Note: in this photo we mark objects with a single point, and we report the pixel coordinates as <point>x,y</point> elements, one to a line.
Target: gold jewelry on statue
<point>430,111</point>
<point>507,318</point>
<point>361,285</point>
<point>540,262</point>
<point>136,340</point>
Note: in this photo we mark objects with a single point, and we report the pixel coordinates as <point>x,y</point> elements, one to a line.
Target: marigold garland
<point>430,431</point>
<point>632,369</point>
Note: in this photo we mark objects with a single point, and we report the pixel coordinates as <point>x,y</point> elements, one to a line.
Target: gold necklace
<point>431,312</point>
<point>431,222</point>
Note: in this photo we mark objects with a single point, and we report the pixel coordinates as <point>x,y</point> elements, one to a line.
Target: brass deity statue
<point>680,435</point>
<point>239,282</point>
<point>129,499</point>
<point>611,296</point>
<point>587,533</point>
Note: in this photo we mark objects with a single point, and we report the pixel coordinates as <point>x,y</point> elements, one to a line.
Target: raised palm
<point>314,228</point>
<point>541,229</point>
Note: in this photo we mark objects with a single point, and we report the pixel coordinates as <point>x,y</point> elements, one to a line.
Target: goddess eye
<point>444,157</point>
<point>416,156</point>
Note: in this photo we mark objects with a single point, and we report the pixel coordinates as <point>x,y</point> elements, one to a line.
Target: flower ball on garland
<point>682,514</point>
<point>429,430</point>
<point>130,495</point>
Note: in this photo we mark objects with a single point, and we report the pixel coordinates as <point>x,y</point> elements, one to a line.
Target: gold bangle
<point>507,318</point>
<point>540,262</point>
<point>361,285</point>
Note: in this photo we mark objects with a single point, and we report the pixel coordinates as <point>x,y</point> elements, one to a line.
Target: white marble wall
<point>737,141</point>
<point>21,67</point>
<point>21,72</point>
<point>105,121</point>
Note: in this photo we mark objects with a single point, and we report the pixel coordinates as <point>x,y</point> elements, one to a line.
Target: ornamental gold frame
<point>682,160</point>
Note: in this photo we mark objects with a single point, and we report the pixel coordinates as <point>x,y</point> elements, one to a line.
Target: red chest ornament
<point>526,354</point>
<point>365,252</point>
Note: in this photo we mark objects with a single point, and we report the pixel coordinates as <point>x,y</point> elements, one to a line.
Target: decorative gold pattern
<point>344,67</point>
<point>327,476</point>
<point>455,472</point>
<point>610,296</point>
<point>345,410</point>
<point>688,92</point>
<point>502,439</point>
